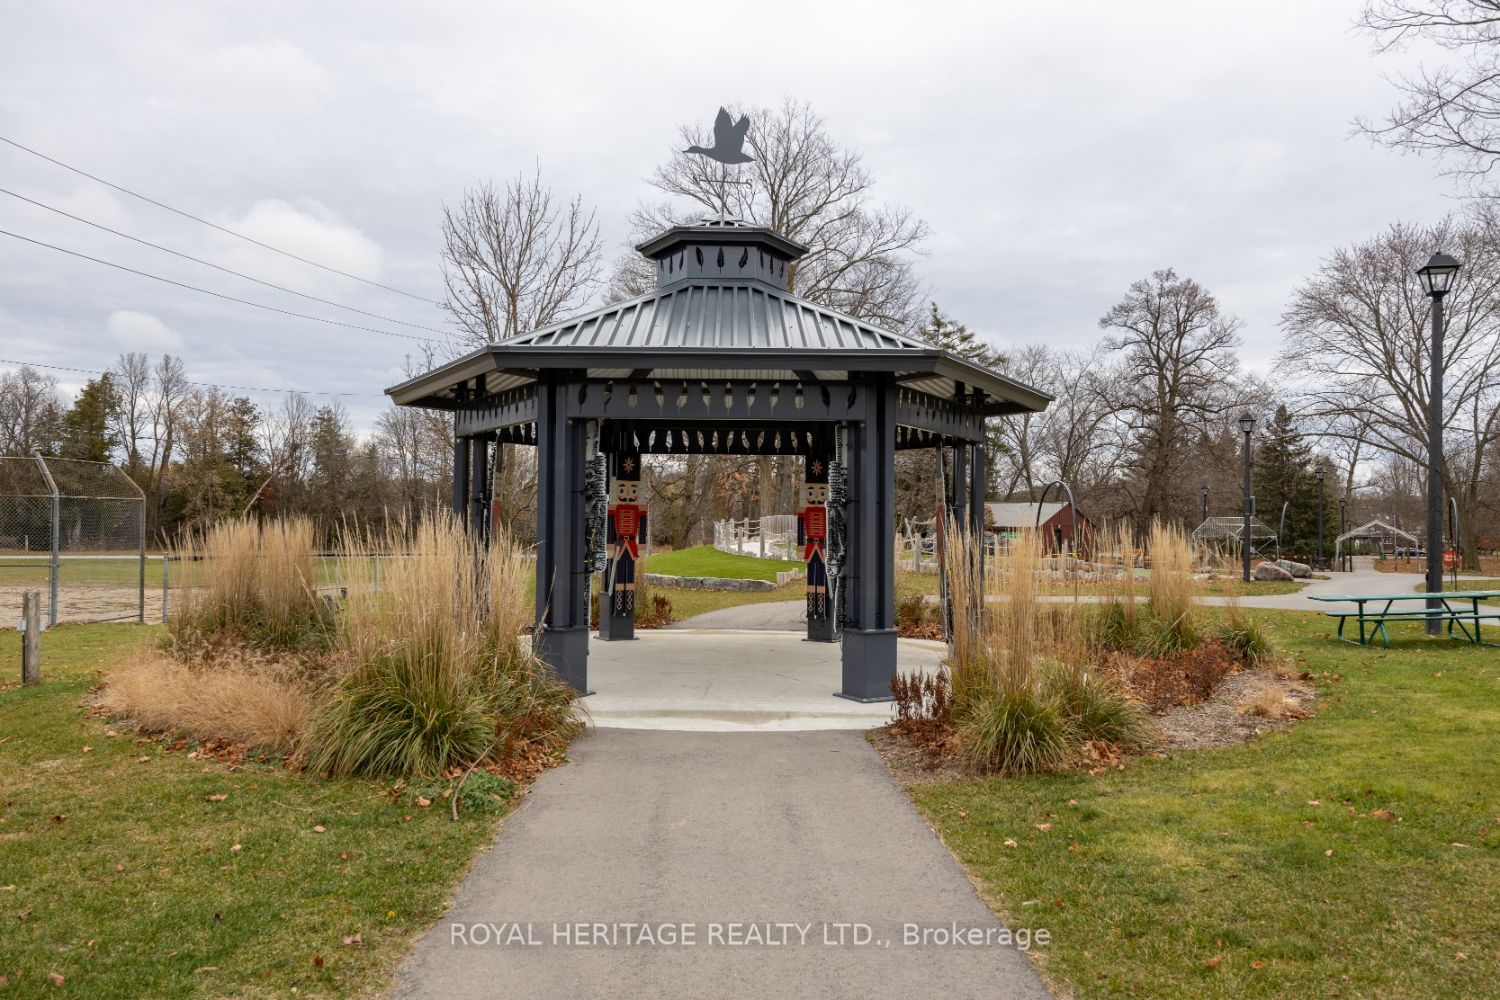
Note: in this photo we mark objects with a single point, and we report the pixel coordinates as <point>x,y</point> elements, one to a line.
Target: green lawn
<point>1265,870</point>
<point>705,560</point>
<point>927,583</point>
<point>118,874</point>
<point>1468,583</point>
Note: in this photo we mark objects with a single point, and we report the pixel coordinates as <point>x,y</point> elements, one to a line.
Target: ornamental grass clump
<point>1171,591</point>
<point>1025,696</point>
<point>245,583</point>
<point>438,673</point>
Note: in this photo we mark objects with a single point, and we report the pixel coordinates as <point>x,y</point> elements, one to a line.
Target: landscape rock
<point>708,582</point>
<point>1301,571</point>
<point>1270,571</point>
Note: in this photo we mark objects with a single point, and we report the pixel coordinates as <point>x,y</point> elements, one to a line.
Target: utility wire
<point>216,267</point>
<point>217,295</point>
<point>206,385</point>
<point>212,225</point>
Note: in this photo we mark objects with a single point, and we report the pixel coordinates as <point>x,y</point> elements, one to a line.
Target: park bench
<point>1458,609</point>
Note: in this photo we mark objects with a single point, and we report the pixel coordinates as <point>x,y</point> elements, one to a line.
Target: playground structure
<point>1219,540</point>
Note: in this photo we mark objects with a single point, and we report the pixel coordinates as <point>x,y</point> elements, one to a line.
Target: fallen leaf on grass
<point>319,829</point>
<point>1010,843</point>
<point>55,979</point>
<point>60,817</point>
<point>236,847</point>
<point>962,814</point>
<point>88,749</point>
<point>1257,964</point>
<point>1213,963</point>
<point>216,798</point>
<point>1457,844</point>
<point>1314,802</point>
<point>142,760</point>
<point>1044,827</point>
<point>423,802</point>
<point>1462,957</point>
<point>1385,814</point>
<point>1328,853</point>
<point>207,968</point>
<point>318,961</point>
<point>353,939</point>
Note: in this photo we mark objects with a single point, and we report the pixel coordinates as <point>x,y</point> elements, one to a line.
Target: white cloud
<point>308,229</point>
<point>138,331</point>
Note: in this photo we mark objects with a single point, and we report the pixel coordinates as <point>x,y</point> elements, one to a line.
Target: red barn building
<point>1057,521</point>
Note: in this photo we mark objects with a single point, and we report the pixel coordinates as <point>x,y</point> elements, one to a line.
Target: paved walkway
<point>732,681</point>
<point>717,829</point>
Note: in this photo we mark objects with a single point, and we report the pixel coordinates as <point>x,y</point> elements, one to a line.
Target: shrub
<point>438,673</point>
<point>922,698</point>
<point>245,702</point>
<point>1097,707</point>
<point>1016,729</point>
<point>250,584</point>
<point>1245,635</point>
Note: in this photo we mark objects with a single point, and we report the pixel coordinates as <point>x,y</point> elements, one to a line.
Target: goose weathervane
<point>729,140</point>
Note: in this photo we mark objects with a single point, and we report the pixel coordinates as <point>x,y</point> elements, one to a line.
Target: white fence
<point>771,537</point>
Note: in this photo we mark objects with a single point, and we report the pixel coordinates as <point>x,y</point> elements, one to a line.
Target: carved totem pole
<point>812,536</point>
<point>627,527</point>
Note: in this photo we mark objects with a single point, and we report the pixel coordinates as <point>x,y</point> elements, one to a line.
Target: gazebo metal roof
<point>721,310</point>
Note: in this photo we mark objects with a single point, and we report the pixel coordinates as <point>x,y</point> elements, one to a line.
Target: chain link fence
<point>76,532</point>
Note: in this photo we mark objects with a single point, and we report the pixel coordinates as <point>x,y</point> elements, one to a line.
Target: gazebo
<point>1378,531</point>
<point>719,359</point>
<point>1216,530</point>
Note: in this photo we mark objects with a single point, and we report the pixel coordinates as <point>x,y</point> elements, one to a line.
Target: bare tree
<point>807,187</point>
<point>1176,359</point>
<point>516,259</point>
<point>1451,110</point>
<point>1358,342</point>
<point>31,412</point>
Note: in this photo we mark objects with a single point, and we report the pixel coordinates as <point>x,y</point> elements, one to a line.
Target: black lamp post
<point>1343,524</point>
<point>1321,472</point>
<point>1438,276</point>
<point>1247,425</point>
<point>1205,503</point>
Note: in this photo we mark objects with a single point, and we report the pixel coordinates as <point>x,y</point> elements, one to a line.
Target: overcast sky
<point>1058,152</point>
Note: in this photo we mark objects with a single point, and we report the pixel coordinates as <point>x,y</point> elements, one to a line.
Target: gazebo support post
<point>976,501</point>
<point>562,583</point>
<point>479,475</point>
<point>869,648</point>
<point>961,487</point>
<point>460,476</point>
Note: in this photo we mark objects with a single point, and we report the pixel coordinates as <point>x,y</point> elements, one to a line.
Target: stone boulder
<point>1270,571</point>
<point>1301,571</point>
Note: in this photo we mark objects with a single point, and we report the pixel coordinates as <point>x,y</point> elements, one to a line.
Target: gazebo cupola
<point>720,358</point>
<point>721,251</point>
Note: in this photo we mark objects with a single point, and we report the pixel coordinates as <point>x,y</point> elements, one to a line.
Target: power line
<point>217,295</point>
<point>206,385</point>
<point>216,267</point>
<point>213,225</point>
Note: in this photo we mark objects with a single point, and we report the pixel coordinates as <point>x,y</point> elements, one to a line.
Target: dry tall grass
<point>438,672</point>
<point>250,582</point>
<point>243,702</point>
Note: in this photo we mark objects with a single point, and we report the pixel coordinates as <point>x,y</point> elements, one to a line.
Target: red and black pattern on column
<point>627,527</point>
<point>812,536</point>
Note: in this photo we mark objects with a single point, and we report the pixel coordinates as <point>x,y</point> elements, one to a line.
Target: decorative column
<point>497,478</point>
<point>460,473</point>
<point>961,487</point>
<point>976,500</point>
<point>627,527</point>
<point>562,566</point>
<point>812,539</point>
<point>869,647</point>
<point>479,477</point>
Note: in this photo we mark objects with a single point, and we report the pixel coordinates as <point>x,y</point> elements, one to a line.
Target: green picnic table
<point>1452,609</point>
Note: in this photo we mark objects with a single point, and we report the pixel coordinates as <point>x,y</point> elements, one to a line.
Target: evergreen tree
<point>86,428</point>
<point>1284,473</point>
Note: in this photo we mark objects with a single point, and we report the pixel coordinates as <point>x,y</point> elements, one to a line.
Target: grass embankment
<point>1357,854</point>
<point>119,872</point>
<point>705,560</point>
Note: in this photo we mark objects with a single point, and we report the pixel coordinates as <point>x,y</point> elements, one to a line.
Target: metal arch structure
<point>1373,529</point>
<point>720,358</point>
<point>1072,509</point>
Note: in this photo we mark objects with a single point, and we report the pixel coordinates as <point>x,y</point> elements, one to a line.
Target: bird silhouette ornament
<point>729,140</point>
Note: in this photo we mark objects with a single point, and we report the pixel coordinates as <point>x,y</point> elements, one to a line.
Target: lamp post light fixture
<point>1247,426</point>
<point>1438,277</point>
<point>1321,472</point>
<point>1205,503</point>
